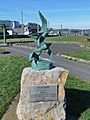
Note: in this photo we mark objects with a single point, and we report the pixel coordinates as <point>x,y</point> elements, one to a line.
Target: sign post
<point>4,33</point>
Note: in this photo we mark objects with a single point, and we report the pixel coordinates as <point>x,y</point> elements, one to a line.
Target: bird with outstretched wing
<point>44,22</point>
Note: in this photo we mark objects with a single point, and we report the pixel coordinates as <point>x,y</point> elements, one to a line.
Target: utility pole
<point>37,27</point>
<point>82,32</point>
<point>69,31</point>
<point>22,25</point>
<point>61,29</point>
<point>61,26</point>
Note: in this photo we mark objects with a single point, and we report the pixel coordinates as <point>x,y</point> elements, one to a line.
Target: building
<point>10,24</point>
<point>54,32</point>
<point>7,23</point>
<point>15,24</point>
<point>31,28</point>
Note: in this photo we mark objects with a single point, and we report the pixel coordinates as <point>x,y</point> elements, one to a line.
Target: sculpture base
<point>42,94</point>
<point>42,65</point>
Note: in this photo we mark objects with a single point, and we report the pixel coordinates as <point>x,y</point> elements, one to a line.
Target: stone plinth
<point>51,107</point>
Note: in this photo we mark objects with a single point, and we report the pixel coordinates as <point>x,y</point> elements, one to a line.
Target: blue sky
<point>69,13</point>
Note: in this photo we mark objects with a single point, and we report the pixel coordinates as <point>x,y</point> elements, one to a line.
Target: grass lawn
<point>80,54</point>
<point>78,98</point>
<point>77,91</point>
<point>10,73</point>
<point>1,50</point>
<point>80,39</point>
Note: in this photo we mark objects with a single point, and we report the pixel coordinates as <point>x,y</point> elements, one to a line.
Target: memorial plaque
<point>42,93</point>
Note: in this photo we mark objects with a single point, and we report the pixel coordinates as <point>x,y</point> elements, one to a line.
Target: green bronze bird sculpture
<point>41,46</point>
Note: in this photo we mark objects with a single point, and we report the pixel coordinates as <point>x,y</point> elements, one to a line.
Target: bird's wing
<point>44,22</point>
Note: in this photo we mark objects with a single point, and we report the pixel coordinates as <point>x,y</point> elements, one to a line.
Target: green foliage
<point>80,54</point>
<point>85,115</point>
<point>10,73</point>
<point>1,50</point>
<point>78,98</point>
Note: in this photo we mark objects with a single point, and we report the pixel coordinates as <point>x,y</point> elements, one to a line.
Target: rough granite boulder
<point>42,110</point>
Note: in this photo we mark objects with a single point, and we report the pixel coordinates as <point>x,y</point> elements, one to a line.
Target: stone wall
<point>42,110</point>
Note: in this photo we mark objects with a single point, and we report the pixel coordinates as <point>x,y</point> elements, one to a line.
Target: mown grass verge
<point>79,39</point>
<point>1,50</point>
<point>10,73</point>
<point>78,99</point>
<point>80,54</point>
<point>85,54</point>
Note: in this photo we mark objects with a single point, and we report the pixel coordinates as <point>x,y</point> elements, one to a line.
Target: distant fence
<point>15,36</point>
<point>22,36</point>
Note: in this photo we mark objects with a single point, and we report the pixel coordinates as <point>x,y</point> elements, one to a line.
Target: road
<point>78,69</point>
<point>57,47</point>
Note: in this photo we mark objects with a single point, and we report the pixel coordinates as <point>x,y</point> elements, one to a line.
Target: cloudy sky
<point>69,13</point>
